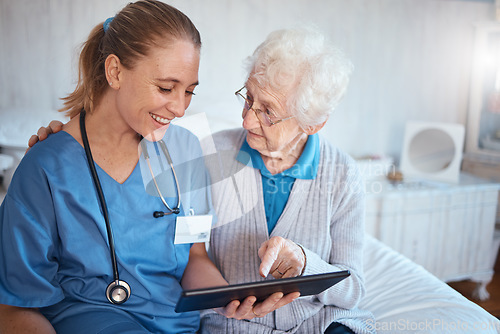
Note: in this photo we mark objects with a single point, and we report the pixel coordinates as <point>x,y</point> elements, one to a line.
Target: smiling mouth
<point>159,119</point>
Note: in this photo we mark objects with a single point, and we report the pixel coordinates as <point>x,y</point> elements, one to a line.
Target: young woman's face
<point>158,88</point>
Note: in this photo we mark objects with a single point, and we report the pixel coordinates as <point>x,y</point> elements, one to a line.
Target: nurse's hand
<point>248,309</point>
<point>44,132</point>
<point>281,258</point>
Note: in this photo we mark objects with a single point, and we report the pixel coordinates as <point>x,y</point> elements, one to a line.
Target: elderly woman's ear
<point>312,129</point>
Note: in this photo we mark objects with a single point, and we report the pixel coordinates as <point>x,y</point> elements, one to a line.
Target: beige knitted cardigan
<point>325,216</point>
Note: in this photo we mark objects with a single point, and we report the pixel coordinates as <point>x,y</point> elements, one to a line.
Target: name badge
<point>192,229</point>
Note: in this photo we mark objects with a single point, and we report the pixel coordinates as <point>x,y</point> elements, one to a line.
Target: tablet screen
<point>220,296</point>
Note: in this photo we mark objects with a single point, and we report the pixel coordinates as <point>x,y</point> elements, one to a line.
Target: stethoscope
<point>175,210</point>
<point>118,291</point>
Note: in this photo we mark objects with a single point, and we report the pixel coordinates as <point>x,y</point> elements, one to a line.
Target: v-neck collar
<point>102,171</point>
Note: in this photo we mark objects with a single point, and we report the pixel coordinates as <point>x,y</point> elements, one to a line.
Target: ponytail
<point>91,76</point>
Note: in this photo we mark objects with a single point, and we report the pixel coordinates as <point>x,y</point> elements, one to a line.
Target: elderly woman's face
<point>270,140</point>
<point>159,88</point>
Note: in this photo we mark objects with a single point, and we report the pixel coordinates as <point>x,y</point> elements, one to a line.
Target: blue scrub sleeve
<point>28,248</point>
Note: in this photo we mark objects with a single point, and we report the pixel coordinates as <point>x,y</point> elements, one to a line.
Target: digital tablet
<point>220,296</point>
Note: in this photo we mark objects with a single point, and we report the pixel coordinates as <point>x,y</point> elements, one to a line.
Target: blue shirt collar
<point>305,168</point>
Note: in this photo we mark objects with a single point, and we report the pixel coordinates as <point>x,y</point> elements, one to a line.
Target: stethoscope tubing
<point>117,285</point>
<point>101,197</point>
<point>169,159</point>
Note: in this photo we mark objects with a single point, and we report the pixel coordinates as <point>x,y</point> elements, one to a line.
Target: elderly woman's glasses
<point>264,117</point>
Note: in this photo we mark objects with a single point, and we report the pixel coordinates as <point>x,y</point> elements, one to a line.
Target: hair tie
<point>106,23</point>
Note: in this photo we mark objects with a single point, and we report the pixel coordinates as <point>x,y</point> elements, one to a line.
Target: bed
<point>405,298</point>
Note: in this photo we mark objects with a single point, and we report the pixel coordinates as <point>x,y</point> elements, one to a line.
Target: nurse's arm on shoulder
<point>14,320</point>
<point>44,132</point>
<point>201,272</point>
<point>281,258</point>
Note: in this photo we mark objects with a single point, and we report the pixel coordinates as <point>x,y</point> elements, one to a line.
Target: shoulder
<point>176,132</point>
<point>330,152</point>
<point>57,147</point>
<point>229,139</point>
<point>45,162</point>
<point>340,161</point>
<point>178,135</point>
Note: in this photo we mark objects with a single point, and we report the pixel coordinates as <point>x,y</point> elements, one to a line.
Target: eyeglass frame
<point>257,111</point>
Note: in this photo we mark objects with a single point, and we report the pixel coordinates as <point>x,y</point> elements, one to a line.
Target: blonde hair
<point>130,35</point>
<point>302,57</point>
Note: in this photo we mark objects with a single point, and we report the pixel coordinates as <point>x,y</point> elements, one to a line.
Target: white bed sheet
<point>405,298</point>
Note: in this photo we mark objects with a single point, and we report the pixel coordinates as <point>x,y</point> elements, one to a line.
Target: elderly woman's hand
<point>281,258</point>
<point>249,310</point>
<point>44,132</point>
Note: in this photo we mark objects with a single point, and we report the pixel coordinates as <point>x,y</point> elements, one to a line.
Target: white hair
<point>303,57</point>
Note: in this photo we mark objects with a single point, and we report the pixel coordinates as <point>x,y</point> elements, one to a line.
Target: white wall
<point>412,57</point>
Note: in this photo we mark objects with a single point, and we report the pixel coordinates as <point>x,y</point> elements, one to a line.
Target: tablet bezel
<point>220,296</point>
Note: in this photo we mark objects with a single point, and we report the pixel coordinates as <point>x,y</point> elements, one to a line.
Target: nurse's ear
<point>112,68</point>
<point>310,130</point>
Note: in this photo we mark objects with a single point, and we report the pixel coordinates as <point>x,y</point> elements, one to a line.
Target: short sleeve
<point>28,241</point>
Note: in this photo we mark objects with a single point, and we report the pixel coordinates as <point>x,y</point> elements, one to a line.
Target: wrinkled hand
<point>44,132</point>
<point>248,309</point>
<point>281,258</point>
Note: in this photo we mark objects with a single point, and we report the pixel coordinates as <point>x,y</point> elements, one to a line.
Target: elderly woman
<point>297,197</point>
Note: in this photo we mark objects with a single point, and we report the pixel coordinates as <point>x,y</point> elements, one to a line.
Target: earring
<point>111,83</point>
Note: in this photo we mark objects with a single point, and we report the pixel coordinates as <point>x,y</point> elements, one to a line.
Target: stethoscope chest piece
<point>118,292</point>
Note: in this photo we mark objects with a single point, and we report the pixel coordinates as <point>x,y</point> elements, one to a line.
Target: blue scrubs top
<point>54,251</point>
<point>277,187</point>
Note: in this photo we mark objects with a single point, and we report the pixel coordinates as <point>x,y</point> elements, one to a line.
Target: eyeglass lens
<point>248,103</point>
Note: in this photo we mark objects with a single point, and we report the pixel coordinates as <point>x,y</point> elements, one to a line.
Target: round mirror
<point>431,150</point>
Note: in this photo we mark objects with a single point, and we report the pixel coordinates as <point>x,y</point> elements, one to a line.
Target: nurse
<point>81,250</point>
